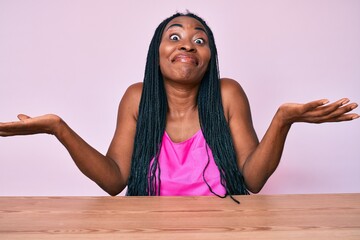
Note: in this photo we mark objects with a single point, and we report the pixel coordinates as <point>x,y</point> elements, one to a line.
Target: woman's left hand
<point>318,111</point>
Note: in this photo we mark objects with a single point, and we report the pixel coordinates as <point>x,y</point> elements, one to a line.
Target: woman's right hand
<point>26,125</point>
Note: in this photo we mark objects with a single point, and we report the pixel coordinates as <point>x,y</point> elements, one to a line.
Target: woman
<point>184,131</point>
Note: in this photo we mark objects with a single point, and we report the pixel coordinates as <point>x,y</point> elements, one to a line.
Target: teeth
<point>185,59</point>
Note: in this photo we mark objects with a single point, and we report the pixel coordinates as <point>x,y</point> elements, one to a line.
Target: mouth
<point>185,58</point>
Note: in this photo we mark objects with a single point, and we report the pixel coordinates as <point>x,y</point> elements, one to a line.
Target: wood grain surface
<point>311,216</point>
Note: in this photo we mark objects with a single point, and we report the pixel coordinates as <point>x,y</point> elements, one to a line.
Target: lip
<point>185,58</point>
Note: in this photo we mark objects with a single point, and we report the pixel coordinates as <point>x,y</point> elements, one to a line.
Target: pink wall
<point>76,58</point>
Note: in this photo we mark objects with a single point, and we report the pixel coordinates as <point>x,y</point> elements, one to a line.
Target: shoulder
<point>134,90</point>
<point>131,99</point>
<point>233,96</point>
<point>230,86</point>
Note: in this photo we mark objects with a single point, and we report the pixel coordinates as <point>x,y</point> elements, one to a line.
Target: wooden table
<point>322,216</point>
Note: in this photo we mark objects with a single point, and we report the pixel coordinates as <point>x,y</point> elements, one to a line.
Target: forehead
<point>185,22</point>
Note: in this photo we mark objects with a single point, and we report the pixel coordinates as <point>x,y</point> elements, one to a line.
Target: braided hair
<point>145,170</point>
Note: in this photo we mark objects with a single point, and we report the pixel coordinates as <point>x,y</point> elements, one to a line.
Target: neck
<point>182,99</point>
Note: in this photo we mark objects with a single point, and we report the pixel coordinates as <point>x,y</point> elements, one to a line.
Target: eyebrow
<point>179,25</point>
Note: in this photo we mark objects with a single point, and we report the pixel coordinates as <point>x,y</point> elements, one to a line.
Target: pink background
<point>76,58</point>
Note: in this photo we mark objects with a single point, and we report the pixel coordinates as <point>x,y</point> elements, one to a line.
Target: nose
<point>187,46</point>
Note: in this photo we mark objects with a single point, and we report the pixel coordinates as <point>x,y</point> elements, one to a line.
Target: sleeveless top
<point>183,168</point>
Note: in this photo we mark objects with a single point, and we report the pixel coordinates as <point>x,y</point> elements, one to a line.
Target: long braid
<point>150,125</point>
<point>213,123</point>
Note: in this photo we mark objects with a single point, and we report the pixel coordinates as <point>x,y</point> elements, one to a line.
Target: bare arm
<point>110,172</point>
<point>257,161</point>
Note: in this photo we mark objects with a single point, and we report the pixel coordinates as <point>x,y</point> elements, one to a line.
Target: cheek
<point>163,61</point>
<point>207,57</point>
<point>161,52</point>
<point>164,48</point>
<point>162,56</point>
<point>164,53</point>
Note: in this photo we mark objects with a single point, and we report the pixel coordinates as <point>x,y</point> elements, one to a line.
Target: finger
<point>334,107</point>
<point>344,117</point>
<point>15,128</point>
<point>338,111</point>
<point>315,104</point>
<point>335,115</point>
<point>23,117</point>
<point>329,110</point>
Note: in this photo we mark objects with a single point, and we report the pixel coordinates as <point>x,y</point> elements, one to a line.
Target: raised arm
<point>109,171</point>
<point>257,161</point>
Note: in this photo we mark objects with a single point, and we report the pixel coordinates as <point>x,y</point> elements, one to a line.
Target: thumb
<point>22,116</point>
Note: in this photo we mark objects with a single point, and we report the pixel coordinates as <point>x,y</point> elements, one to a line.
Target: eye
<point>199,41</point>
<point>174,37</point>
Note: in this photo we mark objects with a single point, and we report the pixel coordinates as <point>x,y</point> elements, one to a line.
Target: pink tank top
<point>182,166</point>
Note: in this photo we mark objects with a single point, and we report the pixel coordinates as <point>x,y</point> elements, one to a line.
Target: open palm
<point>27,125</point>
<point>318,111</point>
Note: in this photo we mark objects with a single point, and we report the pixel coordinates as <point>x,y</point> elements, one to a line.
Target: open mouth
<point>186,58</point>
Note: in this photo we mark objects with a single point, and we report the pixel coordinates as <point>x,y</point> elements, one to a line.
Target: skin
<point>184,57</point>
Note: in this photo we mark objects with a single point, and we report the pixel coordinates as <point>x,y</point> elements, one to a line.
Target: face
<point>184,50</point>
